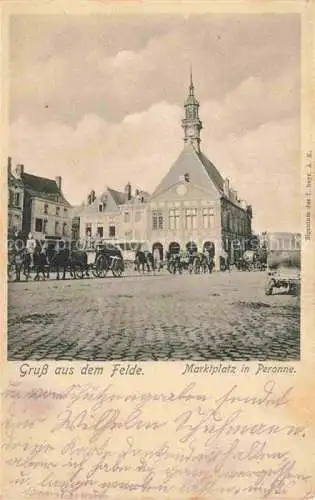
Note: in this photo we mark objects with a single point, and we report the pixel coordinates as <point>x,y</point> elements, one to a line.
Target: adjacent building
<point>113,215</point>
<point>15,201</point>
<point>46,212</point>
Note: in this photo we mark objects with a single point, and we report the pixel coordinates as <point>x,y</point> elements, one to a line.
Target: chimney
<point>226,187</point>
<point>19,170</point>
<point>234,195</point>
<point>137,192</point>
<point>89,199</point>
<point>10,164</point>
<point>128,191</point>
<point>93,196</point>
<point>243,204</point>
<point>58,181</point>
<point>250,211</point>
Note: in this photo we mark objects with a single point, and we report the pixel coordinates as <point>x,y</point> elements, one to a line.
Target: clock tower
<point>191,123</point>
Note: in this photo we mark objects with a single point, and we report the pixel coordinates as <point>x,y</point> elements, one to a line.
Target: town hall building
<point>193,206</point>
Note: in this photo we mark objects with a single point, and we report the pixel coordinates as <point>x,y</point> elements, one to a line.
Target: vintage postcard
<point>158,265</point>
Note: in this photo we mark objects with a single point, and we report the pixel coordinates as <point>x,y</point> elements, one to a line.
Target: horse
<point>40,263</point>
<point>21,261</point>
<point>61,261</point>
<point>79,261</point>
<point>174,263</point>
<point>206,262</point>
<point>144,260</point>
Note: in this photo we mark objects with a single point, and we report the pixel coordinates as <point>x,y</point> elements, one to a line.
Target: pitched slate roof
<point>141,195</point>
<point>201,171</point>
<point>42,187</point>
<point>118,196</point>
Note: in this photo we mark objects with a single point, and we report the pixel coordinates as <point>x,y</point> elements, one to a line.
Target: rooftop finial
<point>191,86</point>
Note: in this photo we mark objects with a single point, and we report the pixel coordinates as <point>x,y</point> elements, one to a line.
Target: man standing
<point>30,248</point>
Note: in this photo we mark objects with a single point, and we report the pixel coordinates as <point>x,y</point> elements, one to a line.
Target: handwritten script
<point>86,441</point>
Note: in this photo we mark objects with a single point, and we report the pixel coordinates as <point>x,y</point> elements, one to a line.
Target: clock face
<point>181,190</point>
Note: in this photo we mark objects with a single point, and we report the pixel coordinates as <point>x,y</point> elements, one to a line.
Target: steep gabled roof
<point>201,171</point>
<point>212,172</point>
<point>40,184</point>
<point>42,187</point>
<point>118,196</point>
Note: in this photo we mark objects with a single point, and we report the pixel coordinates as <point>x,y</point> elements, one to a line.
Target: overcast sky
<point>99,101</point>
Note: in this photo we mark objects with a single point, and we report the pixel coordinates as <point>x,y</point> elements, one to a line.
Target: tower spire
<point>191,86</point>
<point>191,123</point>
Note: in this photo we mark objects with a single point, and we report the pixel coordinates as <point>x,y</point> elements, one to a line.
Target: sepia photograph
<point>154,187</point>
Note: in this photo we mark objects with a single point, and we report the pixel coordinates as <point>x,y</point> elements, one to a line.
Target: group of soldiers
<point>175,262</point>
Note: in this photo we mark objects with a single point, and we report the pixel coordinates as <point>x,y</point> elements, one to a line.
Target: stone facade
<point>113,215</point>
<point>15,201</point>
<point>46,212</point>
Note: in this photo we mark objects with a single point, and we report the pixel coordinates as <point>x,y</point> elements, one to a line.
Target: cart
<point>283,270</point>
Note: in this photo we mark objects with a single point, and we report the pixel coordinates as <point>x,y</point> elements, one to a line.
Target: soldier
<point>30,248</point>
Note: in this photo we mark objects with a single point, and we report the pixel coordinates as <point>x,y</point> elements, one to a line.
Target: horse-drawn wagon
<point>284,264</point>
<point>108,257</point>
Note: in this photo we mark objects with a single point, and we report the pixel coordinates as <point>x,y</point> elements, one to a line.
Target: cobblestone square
<point>223,316</point>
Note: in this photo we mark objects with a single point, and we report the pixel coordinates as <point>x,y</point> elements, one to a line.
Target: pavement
<point>223,316</point>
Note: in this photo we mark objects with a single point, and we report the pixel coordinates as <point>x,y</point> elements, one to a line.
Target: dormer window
<point>186,177</point>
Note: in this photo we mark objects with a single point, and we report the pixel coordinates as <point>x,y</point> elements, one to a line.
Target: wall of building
<point>48,218</point>
<point>185,215</point>
<point>236,228</point>
<point>129,223</point>
<point>15,208</point>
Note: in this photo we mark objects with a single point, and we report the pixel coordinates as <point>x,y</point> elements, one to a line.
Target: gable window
<point>46,209</point>
<point>208,218</point>
<point>112,231</point>
<point>228,220</point>
<point>38,225</point>
<point>157,219</point>
<point>17,199</point>
<point>191,218</point>
<point>11,197</point>
<point>174,215</point>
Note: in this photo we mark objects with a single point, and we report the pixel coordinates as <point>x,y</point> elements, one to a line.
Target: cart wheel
<point>101,267</point>
<point>117,269</point>
<point>269,287</point>
<point>102,273</point>
<point>95,273</point>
